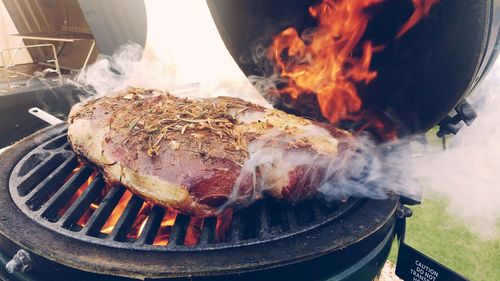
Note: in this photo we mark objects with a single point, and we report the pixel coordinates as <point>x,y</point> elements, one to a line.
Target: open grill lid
<point>421,76</point>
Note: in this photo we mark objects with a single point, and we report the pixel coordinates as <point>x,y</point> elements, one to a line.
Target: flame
<point>79,191</point>
<point>69,176</point>
<point>422,9</point>
<point>163,234</point>
<point>333,59</point>
<point>116,213</point>
<point>193,231</point>
<point>140,221</point>
<point>93,206</point>
<point>223,225</point>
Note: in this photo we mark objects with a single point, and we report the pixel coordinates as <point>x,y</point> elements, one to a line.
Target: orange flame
<point>140,221</point>
<point>422,9</point>
<point>93,206</point>
<point>163,234</point>
<point>223,225</point>
<point>110,223</point>
<point>330,61</point>
<point>80,190</point>
<point>193,231</point>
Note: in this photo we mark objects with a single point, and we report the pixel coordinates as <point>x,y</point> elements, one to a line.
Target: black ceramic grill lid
<point>421,77</point>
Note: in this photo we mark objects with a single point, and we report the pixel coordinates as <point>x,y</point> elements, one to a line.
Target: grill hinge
<point>451,125</point>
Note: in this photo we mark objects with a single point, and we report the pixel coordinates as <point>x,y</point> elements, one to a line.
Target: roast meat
<point>199,156</point>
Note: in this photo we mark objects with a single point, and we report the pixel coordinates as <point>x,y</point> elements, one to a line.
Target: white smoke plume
<point>126,68</point>
<point>129,67</point>
<point>361,169</point>
<point>467,173</point>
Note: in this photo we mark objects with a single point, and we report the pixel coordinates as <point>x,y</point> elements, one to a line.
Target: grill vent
<point>50,185</point>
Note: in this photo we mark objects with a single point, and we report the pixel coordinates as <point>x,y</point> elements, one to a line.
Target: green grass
<point>444,238</point>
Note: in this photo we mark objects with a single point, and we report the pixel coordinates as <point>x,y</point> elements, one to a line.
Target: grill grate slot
<point>49,210</point>
<point>207,235</point>
<point>152,225</point>
<point>316,212</point>
<point>82,203</point>
<point>278,219</point>
<point>193,231</point>
<point>178,233</point>
<point>43,191</point>
<point>163,234</point>
<point>264,220</point>
<point>236,233</point>
<point>56,143</point>
<point>99,217</point>
<point>124,223</point>
<point>32,161</point>
<point>249,222</point>
<point>35,176</point>
<point>291,218</point>
<point>304,214</point>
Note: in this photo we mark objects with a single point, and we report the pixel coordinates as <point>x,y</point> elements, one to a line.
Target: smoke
<point>130,67</point>
<point>360,169</point>
<point>125,68</point>
<point>466,174</point>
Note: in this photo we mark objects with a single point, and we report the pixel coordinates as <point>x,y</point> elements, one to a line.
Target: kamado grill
<point>48,197</point>
<point>61,221</point>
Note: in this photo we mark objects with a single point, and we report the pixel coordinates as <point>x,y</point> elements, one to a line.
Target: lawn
<point>444,238</point>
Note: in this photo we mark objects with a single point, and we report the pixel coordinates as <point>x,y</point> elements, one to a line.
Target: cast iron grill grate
<point>52,187</point>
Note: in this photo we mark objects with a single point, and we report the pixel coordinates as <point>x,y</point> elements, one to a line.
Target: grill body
<point>338,240</point>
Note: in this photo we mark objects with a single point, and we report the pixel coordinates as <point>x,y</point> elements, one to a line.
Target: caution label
<point>415,266</point>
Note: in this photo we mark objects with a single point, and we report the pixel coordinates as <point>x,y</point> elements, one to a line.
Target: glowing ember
<point>332,60</point>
